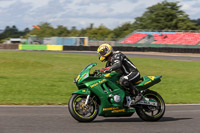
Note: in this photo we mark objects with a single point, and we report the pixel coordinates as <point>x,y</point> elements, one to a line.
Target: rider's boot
<point>136,93</point>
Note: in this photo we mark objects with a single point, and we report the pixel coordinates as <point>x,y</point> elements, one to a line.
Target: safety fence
<point>137,49</point>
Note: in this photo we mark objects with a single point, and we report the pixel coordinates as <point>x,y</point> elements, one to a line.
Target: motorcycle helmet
<point>104,51</point>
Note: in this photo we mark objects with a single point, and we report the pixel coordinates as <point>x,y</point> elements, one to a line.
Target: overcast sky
<point>80,13</point>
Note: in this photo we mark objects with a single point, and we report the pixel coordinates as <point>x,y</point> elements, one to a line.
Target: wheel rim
<point>153,111</point>
<point>83,111</point>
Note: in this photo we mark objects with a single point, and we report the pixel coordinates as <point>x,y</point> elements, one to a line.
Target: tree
<point>100,33</point>
<point>164,16</point>
<point>196,21</point>
<point>61,31</point>
<point>12,32</point>
<point>74,32</point>
<point>46,30</point>
<point>26,30</point>
<point>122,31</point>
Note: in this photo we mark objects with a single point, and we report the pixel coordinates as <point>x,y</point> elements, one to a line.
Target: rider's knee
<point>123,81</point>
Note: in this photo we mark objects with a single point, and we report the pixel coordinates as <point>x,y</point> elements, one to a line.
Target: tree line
<point>161,16</point>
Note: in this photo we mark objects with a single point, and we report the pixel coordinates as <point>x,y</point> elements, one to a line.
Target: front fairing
<point>84,74</point>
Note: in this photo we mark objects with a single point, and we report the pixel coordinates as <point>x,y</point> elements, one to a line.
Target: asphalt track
<point>56,119</point>
<point>155,55</point>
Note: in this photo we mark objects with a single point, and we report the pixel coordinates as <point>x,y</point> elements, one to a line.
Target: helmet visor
<point>102,52</point>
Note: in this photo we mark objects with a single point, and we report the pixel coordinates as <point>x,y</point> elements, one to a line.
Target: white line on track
<point>179,111</point>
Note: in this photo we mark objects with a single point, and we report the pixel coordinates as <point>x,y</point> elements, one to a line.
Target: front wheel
<point>79,111</point>
<point>151,113</point>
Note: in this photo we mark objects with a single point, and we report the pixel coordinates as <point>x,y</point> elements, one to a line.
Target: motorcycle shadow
<point>164,119</point>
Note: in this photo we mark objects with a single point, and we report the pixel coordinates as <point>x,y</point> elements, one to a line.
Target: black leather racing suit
<point>121,64</point>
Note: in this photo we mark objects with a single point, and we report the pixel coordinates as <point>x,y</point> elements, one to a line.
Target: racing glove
<point>106,70</point>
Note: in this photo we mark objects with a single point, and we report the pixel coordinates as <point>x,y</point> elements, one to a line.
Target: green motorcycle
<point>100,94</point>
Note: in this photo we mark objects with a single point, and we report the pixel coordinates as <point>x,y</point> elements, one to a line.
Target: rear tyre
<point>151,113</point>
<point>79,111</point>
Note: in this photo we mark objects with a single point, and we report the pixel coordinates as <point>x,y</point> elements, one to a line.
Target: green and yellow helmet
<point>104,51</point>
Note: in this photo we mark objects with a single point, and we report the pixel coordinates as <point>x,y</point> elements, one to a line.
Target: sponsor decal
<point>77,77</point>
<point>108,109</point>
<point>94,85</point>
<point>101,81</point>
<point>119,110</point>
<point>151,77</point>
<point>147,82</point>
<point>147,99</point>
<point>85,75</point>
<point>114,109</point>
<point>107,75</point>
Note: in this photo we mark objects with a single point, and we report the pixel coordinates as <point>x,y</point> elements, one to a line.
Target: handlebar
<point>97,73</point>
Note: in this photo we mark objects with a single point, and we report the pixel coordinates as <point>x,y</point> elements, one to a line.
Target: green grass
<point>47,78</point>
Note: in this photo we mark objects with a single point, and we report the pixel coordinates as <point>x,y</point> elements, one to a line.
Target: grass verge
<point>47,78</point>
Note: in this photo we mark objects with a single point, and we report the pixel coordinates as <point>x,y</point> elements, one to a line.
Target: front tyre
<point>151,113</point>
<point>79,111</point>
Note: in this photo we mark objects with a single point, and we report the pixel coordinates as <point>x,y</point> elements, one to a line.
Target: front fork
<point>87,99</point>
<point>84,91</point>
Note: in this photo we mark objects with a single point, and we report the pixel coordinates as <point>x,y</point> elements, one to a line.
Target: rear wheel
<point>79,111</point>
<point>151,113</point>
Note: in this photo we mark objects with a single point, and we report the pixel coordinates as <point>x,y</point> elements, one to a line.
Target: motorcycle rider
<point>117,61</point>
